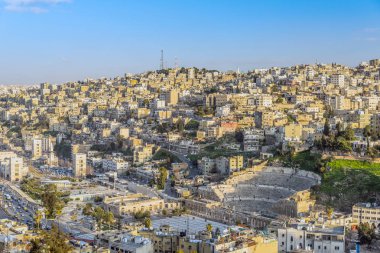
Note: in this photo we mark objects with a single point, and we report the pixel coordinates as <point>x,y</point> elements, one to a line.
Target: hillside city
<point>185,160</point>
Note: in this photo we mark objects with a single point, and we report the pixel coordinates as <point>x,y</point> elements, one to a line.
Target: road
<point>13,208</point>
<point>3,214</point>
<point>193,170</point>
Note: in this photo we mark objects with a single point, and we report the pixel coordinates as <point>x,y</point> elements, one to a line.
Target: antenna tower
<point>162,60</point>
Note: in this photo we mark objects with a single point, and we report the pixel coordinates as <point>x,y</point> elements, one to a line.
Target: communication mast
<point>162,60</point>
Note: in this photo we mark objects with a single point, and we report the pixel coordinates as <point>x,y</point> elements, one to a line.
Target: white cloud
<point>34,6</point>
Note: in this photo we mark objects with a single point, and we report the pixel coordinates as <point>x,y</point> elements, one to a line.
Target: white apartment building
<point>6,154</point>
<point>79,165</point>
<point>261,100</point>
<point>223,111</point>
<point>124,132</point>
<point>47,144</point>
<point>222,165</point>
<point>158,104</point>
<point>206,165</point>
<point>371,103</point>
<point>339,103</point>
<point>307,237</point>
<point>12,167</point>
<point>118,165</point>
<point>310,73</point>
<point>337,79</point>
<point>253,139</point>
<point>136,244</point>
<point>15,171</point>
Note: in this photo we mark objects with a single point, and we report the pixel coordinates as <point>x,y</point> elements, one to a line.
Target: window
<point>291,238</point>
<point>336,247</point>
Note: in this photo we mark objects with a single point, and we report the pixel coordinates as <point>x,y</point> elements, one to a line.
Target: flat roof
<point>196,224</point>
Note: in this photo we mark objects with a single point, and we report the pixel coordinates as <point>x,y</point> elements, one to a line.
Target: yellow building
<point>134,142</point>
<point>143,113</point>
<point>236,163</point>
<point>264,119</point>
<point>161,115</point>
<point>169,240</point>
<point>293,131</point>
<point>201,135</point>
<point>172,97</point>
<point>84,88</point>
<point>143,153</point>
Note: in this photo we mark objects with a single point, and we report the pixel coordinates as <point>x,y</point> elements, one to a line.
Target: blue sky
<point>66,40</point>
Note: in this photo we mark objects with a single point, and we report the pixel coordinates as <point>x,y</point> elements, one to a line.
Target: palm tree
<point>38,219</point>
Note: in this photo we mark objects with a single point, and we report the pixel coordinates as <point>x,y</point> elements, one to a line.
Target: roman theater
<point>263,190</point>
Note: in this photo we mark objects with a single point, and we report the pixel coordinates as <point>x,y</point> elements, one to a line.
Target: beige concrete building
<point>13,169</point>
<point>132,203</point>
<point>366,212</point>
<point>79,165</point>
<point>142,154</point>
<point>293,132</point>
<point>36,148</point>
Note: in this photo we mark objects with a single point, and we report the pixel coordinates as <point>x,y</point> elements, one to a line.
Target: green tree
<point>342,144</point>
<point>279,100</point>
<point>366,233</point>
<point>367,131</point>
<point>274,88</point>
<point>326,128</point>
<point>146,102</point>
<point>217,232</point>
<point>99,215</point>
<point>139,215</point>
<point>148,223</point>
<point>322,169</point>
<point>52,241</point>
<point>37,246</point>
<point>162,178</point>
<point>192,125</point>
<point>339,129</point>
<point>38,219</point>
<point>180,126</point>
<point>209,227</point>
<point>51,201</point>
<point>87,209</point>
<point>109,219</point>
<point>349,134</point>
<point>329,212</point>
<point>239,136</point>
